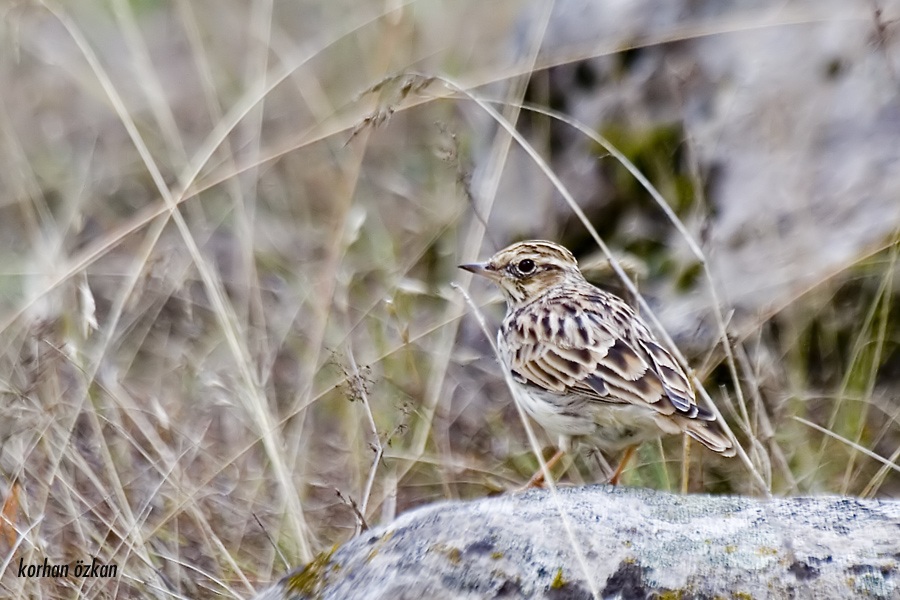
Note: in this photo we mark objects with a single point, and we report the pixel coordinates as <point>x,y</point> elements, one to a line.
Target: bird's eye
<point>526,266</point>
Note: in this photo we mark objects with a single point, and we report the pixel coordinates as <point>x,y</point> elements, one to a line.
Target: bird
<point>586,365</point>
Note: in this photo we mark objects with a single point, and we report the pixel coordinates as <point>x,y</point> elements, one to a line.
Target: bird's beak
<point>484,269</point>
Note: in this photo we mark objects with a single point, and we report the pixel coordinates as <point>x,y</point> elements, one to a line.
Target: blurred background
<point>229,233</point>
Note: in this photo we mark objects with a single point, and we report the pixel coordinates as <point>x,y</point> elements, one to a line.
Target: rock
<point>624,543</point>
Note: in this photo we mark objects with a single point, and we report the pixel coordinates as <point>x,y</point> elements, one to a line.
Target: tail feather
<point>710,434</point>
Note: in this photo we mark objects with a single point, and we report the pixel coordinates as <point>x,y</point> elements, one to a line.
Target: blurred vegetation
<point>229,339</point>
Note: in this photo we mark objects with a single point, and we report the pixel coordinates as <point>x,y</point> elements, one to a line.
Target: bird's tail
<point>710,434</point>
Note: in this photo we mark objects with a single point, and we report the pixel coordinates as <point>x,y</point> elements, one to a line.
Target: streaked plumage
<point>587,363</point>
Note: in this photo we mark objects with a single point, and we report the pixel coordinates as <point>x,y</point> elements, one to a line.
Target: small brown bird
<point>585,362</point>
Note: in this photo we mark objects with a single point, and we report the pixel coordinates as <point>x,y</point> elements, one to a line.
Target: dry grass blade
<point>9,514</point>
<point>889,464</point>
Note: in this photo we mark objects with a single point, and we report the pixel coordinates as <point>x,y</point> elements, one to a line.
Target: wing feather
<point>598,349</point>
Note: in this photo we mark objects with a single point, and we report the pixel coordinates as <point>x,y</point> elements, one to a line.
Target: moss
<point>378,544</point>
<point>655,151</point>
<point>313,577</point>
<point>627,216</point>
<point>496,555</point>
<point>688,277</point>
<point>451,552</point>
<point>558,580</point>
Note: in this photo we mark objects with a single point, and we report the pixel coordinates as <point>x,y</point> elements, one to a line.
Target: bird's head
<point>526,270</point>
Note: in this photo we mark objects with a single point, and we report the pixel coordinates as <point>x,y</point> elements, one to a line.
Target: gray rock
<point>632,543</point>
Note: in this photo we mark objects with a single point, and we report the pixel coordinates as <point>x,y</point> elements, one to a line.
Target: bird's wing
<point>679,391</point>
<point>596,346</point>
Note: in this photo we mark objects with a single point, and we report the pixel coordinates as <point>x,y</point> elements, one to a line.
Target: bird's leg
<point>685,464</point>
<point>629,452</point>
<point>537,480</point>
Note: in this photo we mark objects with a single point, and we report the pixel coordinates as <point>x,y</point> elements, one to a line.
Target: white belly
<point>610,426</point>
